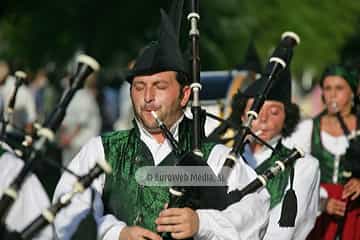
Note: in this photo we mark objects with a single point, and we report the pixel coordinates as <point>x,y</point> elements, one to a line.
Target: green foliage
<point>34,32</point>
<point>323,25</point>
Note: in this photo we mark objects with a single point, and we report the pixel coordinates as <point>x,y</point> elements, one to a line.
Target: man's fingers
<point>336,210</point>
<point>345,194</point>
<point>349,191</point>
<point>171,212</point>
<point>180,235</point>
<point>340,204</point>
<point>339,212</point>
<point>147,234</point>
<point>170,228</point>
<point>351,187</point>
<point>355,195</point>
<point>336,207</point>
<point>176,220</point>
<point>348,184</point>
<point>340,209</point>
<point>168,220</point>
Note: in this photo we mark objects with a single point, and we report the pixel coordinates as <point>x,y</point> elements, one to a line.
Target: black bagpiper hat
<point>164,54</point>
<point>280,89</point>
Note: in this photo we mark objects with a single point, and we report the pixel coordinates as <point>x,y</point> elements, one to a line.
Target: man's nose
<point>260,120</point>
<point>333,94</point>
<point>149,94</point>
<point>262,116</point>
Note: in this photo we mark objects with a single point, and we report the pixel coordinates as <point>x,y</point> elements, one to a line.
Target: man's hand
<point>351,188</point>
<point>138,233</point>
<point>180,222</point>
<point>335,207</point>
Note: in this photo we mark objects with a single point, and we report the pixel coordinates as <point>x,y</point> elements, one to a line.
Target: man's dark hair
<point>292,118</point>
<point>238,105</point>
<point>182,78</point>
<point>292,113</point>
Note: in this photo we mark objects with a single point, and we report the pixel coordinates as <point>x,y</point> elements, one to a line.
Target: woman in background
<point>325,137</point>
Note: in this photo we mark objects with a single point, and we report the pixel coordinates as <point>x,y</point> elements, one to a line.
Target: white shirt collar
<point>158,150</point>
<point>264,153</point>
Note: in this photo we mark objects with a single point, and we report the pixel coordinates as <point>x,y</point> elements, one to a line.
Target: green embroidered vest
<point>123,196</point>
<point>326,158</point>
<point>276,186</point>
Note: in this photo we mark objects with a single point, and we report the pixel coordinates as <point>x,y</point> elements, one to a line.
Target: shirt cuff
<point>110,227</point>
<point>113,232</point>
<point>203,223</point>
<point>204,231</point>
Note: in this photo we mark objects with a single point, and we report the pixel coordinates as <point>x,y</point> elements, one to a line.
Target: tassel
<point>289,207</point>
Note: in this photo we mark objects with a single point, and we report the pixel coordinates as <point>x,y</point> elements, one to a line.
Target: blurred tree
<point>324,27</point>
<point>42,31</point>
<point>350,53</point>
<point>35,32</point>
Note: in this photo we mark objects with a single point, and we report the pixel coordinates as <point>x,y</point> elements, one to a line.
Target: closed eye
<point>139,86</point>
<point>162,85</point>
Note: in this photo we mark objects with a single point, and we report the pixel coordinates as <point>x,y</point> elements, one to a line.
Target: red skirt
<point>327,225</point>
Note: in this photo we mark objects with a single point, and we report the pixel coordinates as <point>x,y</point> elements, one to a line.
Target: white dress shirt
<point>31,201</point>
<point>302,138</point>
<point>335,145</point>
<point>306,186</point>
<point>246,219</point>
<point>82,112</point>
<point>24,110</point>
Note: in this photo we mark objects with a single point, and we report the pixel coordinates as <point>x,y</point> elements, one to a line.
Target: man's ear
<point>186,93</point>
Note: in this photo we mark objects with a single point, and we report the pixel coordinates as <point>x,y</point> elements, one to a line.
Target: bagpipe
<point>32,150</point>
<point>49,214</point>
<point>20,78</point>
<point>179,194</point>
<point>194,34</point>
<point>278,61</point>
<point>191,196</point>
<point>188,196</point>
<point>352,156</point>
<point>350,160</point>
<point>16,136</point>
<point>351,169</point>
